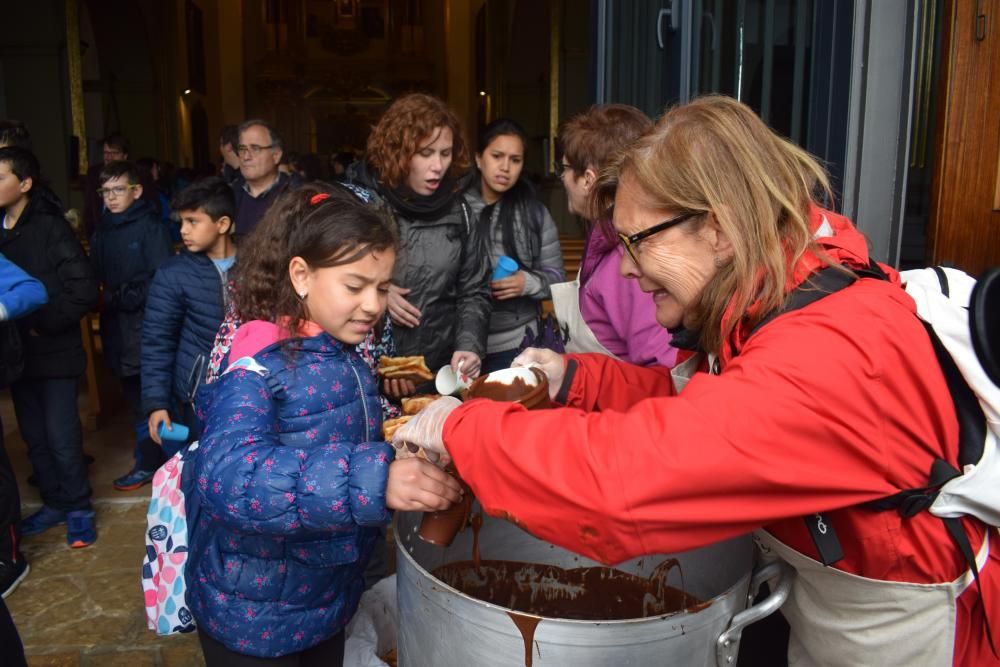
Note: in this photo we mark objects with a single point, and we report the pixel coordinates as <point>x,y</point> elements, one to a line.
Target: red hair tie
<point>317,198</point>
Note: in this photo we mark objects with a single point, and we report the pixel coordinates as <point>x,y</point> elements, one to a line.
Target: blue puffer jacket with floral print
<point>291,475</point>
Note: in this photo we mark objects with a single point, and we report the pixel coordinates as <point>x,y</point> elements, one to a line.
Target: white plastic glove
<point>549,362</point>
<point>426,429</point>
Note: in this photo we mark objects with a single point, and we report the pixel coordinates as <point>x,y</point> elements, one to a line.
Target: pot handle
<point>728,643</point>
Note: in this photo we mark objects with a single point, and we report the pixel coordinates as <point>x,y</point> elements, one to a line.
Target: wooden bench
<point>572,252</point>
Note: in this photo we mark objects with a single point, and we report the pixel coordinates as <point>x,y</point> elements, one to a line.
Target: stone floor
<point>83,607</point>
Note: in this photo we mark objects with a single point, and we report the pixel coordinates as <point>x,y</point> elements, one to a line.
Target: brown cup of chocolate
<point>440,528</point>
<point>527,386</point>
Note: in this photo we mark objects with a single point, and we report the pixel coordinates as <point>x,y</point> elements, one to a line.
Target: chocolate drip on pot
<point>526,626</point>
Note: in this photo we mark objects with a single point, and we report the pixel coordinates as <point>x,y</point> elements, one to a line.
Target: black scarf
<point>407,202</point>
<point>421,207</point>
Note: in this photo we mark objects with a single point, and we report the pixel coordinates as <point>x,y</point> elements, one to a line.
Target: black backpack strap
<point>971,441</point>
<point>821,284</point>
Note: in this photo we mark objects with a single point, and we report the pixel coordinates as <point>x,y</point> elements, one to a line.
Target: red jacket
<point>823,409</point>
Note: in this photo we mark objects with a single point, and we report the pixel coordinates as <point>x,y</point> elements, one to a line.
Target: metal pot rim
<point>741,582</point>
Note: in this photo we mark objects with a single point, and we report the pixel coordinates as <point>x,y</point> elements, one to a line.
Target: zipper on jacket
<point>361,390</point>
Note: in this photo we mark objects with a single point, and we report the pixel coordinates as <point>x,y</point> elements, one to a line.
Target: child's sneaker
<point>12,572</point>
<point>42,520</point>
<point>134,479</point>
<point>80,529</point>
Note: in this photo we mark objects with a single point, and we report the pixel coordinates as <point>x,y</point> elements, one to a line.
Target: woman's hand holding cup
<point>549,362</point>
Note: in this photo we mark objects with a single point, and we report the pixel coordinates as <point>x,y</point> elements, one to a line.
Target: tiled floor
<point>84,606</point>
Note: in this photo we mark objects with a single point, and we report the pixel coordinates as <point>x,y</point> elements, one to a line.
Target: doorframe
<point>883,74</point>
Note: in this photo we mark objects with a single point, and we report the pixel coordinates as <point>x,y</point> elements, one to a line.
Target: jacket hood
<point>40,204</point>
<point>840,242</point>
<point>254,336</point>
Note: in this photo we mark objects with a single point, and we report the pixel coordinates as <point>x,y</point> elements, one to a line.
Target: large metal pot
<point>442,627</point>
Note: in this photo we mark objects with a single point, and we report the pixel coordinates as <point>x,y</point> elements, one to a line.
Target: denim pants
<point>144,445</point>
<point>50,425</point>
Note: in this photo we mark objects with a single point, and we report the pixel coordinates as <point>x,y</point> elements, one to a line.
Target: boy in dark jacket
<point>185,307</point>
<point>129,245</point>
<point>19,295</point>
<point>36,237</point>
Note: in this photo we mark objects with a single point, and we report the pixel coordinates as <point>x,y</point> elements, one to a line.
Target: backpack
<point>168,536</point>
<point>170,522</point>
<point>962,319</point>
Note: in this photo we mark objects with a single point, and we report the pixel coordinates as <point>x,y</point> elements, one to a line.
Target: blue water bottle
<point>505,267</point>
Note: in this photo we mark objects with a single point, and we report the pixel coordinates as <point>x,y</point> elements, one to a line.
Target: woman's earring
<point>302,297</point>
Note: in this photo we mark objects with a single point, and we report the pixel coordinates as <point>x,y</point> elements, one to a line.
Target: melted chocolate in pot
<point>585,593</point>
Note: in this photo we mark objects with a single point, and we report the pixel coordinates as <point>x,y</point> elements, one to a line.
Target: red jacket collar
<point>842,243</point>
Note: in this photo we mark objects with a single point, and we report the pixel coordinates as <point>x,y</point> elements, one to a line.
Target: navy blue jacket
<point>291,475</point>
<point>126,250</point>
<point>184,308</point>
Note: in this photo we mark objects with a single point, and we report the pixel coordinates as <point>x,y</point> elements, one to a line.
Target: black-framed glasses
<point>252,149</point>
<point>630,242</point>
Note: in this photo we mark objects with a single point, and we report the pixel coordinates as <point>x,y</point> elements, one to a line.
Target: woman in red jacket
<point>823,409</point>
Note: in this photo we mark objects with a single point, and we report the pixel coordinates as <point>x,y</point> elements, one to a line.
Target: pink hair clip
<point>317,198</point>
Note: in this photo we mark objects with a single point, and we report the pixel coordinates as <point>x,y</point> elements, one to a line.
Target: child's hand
<point>155,418</point>
<point>415,485</point>
<point>398,388</point>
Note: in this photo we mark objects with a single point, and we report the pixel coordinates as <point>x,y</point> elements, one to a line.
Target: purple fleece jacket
<point>622,316</point>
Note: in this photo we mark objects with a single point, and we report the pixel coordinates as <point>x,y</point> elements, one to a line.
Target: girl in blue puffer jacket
<point>293,476</point>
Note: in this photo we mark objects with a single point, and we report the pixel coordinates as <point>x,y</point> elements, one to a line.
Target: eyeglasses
<point>116,191</point>
<point>561,168</point>
<point>253,149</point>
<point>630,242</point>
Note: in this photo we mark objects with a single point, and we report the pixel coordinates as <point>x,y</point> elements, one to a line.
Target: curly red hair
<point>406,125</point>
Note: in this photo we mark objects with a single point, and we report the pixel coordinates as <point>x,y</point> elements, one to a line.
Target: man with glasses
<point>260,182</point>
<point>114,148</point>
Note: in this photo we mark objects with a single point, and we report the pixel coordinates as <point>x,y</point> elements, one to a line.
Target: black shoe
<point>11,574</point>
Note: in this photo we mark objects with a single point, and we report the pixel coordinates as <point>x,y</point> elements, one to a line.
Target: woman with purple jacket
<point>603,311</point>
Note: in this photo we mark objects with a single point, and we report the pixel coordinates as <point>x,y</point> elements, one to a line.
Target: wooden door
<point>964,227</point>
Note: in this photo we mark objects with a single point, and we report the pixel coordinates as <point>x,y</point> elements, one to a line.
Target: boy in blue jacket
<point>129,245</point>
<point>186,305</point>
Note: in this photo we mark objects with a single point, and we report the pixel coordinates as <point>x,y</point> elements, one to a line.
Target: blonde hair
<point>714,155</point>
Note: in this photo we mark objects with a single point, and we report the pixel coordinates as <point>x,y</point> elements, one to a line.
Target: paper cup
<point>178,434</point>
<point>440,528</point>
<point>506,266</point>
<point>449,383</point>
